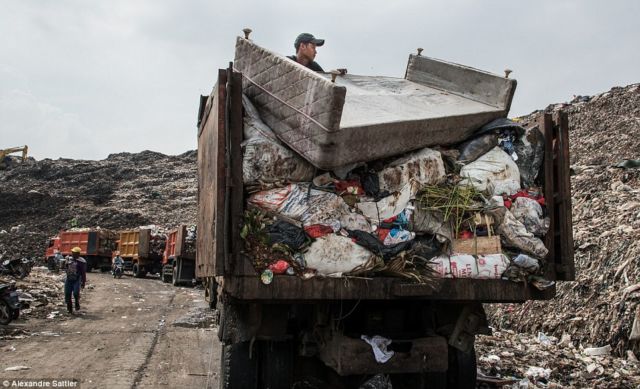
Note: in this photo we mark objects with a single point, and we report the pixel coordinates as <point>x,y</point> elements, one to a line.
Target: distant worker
<point>55,262</point>
<point>76,269</point>
<point>305,45</point>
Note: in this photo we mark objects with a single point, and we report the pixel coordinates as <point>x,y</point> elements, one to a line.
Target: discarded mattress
<point>363,118</point>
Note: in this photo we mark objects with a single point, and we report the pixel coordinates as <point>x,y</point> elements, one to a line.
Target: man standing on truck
<point>305,45</point>
<point>76,270</point>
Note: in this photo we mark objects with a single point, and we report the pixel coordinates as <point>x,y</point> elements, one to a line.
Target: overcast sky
<point>83,79</point>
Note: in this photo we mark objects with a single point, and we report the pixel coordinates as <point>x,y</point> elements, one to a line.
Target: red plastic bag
<point>318,230</point>
<point>279,267</point>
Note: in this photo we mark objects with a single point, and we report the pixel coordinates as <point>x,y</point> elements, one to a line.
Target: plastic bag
<point>529,212</point>
<point>300,203</point>
<point>494,172</point>
<point>374,245</point>
<point>389,206</point>
<point>530,150</point>
<point>333,255</point>
<point>287,233</point>
<point>514,234</point>
<point>424,167</point>
<point>470,266</point>
<point>477,147</point>
<point>431,222</point>
<point>265,159</point>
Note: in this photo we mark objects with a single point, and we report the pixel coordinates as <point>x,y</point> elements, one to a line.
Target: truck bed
<point>219,253</point>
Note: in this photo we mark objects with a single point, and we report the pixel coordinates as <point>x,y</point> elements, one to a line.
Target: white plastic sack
<point>495,172</point>
<point>470,266</point>
<point>424,167</point>
<point>297,202</point>
<point>514,234</point>
<point>528,212</point>
<point>389,206</point>
<point>333,255</point>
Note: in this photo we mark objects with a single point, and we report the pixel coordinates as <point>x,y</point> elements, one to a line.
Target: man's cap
<point>305,37</point>
<point>76,250</point>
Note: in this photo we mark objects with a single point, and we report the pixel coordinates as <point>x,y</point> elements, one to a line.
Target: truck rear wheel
<point>462,371</point>
<point>276,364</point>
<point>238,368</point>
<point>137,271</point>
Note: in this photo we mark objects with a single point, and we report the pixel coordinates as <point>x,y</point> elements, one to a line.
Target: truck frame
<point>273,334</point>
<point>178,265</point>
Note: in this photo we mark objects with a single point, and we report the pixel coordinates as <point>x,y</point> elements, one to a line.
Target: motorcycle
<point>9,303</point>
<point>118,270</point>
<point>18,268</point>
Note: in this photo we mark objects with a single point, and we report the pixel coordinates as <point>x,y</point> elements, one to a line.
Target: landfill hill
<point>600,308</point>
<point>125,190</point>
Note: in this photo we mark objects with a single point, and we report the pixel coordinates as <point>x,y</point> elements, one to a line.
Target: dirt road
<point>129,333</point>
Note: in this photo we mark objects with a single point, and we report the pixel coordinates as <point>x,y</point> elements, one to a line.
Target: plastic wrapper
<point>528,212</point>
<point>515,234</point>
<point>431,222</point>
<point>265,159</point>
<point>477,147</point>
<point>298,202</point>
<point>425,167</point>
<point>373,244</point>
<point>469,266</point>
<point>494,172</point>
<point>287,233</point>
<point>378,211</point>
<point>334,255</point>
<point>530,150</point>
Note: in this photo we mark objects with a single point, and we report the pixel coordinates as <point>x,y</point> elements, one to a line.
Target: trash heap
<point>602,308</point>
<point>473,210</point>
<point>157,239</point>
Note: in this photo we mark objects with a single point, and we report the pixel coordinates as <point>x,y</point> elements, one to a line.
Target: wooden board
<point>211,183</point>
<point>477,246</point>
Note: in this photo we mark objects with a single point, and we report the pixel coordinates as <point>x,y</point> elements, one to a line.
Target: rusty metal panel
<point>210,246</point>
<point>181,232</point>
<point>562,199</point>
<point>144,241</point>
<point>348,356</point>
<point>287,288</point>
<point>129,244</point>
<point>545,124</point>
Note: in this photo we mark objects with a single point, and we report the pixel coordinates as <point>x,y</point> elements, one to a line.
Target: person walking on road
<point>76,269</point>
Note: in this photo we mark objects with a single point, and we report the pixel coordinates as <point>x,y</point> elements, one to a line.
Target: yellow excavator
<point>5,159</point>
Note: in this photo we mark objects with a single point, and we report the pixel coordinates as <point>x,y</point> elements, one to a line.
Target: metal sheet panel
<point>362,118</point>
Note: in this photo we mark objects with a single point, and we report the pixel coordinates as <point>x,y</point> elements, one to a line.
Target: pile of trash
<point>602,308</point>
<point>42,292</point>
<point>519,361</point>
<point>475,210</point>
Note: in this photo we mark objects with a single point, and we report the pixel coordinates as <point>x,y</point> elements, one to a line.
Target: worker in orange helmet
<point>76,270</point>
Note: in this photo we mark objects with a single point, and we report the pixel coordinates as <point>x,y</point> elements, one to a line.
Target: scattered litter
<point>17,368</point>
<point>379,345</point>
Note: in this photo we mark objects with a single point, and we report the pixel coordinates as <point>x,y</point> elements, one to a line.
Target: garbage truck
<point>281,327</point>
<point>179,259</point>
<point>141,250</point>
<point>96,245</point>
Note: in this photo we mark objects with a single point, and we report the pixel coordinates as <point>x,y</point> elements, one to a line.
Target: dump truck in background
<point>277,330</point>
<point>179,259</point>
<point>142,250</point>
<point>96,245</point>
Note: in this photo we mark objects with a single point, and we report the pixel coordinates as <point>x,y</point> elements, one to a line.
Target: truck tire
<point>238,368</point>
<point>166,277</point>
<point>461,373</point>
<point>174,279</point>
<point>6,314</point>
<point>276,364</point>
<point>137,271</point>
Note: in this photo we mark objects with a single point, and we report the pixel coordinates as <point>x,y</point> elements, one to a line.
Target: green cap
<point>305,37</point>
